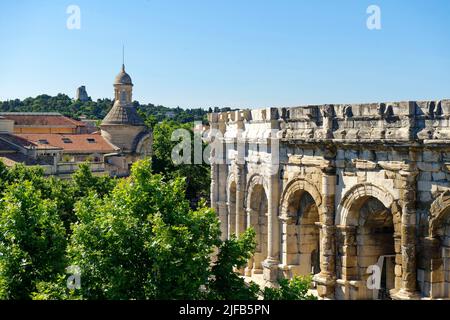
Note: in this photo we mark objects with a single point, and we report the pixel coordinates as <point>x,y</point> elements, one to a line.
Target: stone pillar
<point>214,187</point>
<point>215,198</point>
<point>231,218</point>
<point>222,212</point>
<point>250,223</point>
<point>270,265</point>
<point>398,263</point>
<point>435,286</point>
<point>240,195</point>
<point>349,258</point>
<point>289,245</point>
<point>219,173</point>
<point>326,279</point>
<point>408,233</point>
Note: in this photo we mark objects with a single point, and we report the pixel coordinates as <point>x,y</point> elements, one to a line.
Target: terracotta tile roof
<point>50,119</point>
<point>15,140</point>
<point>70,143</point>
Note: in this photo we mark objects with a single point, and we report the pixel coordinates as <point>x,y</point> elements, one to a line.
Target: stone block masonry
<point>332,188</point>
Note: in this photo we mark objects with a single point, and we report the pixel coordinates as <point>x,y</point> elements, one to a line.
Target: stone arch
<point>356,195</point>
<point>439,211</point>
<point>254,181</point>
<point>300,234</point>
<point>438,253</point>
<point>230,179</point>
<point>370,222</point>
<point>257,218</point>
<point>295,186</point>
<point>144,145</point>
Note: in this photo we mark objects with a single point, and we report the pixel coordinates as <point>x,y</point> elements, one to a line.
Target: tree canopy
<point>97,110</point>
<point>131,238</point>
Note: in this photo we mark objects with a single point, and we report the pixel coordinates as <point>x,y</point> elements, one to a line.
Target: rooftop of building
<point>49,119</point>
<point>11,159</point>
<point>123,78</point>
<point>70,143</point>
<point>123,115</point>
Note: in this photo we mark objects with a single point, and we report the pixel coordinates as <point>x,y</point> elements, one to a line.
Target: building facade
<point>125,129</point>
<point>356,195</point>
<point>60,144</point>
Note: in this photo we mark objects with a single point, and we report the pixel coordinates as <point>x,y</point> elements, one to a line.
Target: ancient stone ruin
<point>82,94</point>
<point>334,190</point>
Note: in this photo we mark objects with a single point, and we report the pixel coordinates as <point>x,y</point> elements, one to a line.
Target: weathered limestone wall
<point>368,180</point>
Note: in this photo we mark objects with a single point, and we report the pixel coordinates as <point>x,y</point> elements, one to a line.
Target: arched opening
<point>375,248</point>
<point>301,235</point>
<point>440,230</point>
<point>123,96</point>
<point>144,146</point>
<point>445,251</point>
<point>257,219</point>
<point>231,209</point>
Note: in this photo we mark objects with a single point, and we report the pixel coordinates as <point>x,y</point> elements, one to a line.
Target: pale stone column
<point>219,204</point>
<point>287,227</point>
<point>216,204</point>
<point>435,286</point>
<point>214,187</point>
<point>327,278</point>
<point>398,262</point>
<point>240,195</point>
<point>231,218</point>
<point>222,212</point>
<point>349,259</point>
<point>408,234</point>
<point>250,223</point>
<point>270,265</point>
<point>409,277</point>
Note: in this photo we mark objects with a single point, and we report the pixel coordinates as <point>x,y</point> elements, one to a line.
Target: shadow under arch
<point>369,219</point>
<point>300,235</point>
<point>257,218</point>
<point>439,249</point>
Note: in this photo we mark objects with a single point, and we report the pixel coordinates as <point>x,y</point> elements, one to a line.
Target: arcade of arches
<point>353,194</point>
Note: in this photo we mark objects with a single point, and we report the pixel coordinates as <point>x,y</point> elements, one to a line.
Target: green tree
<point>233,254</point>
<point>197,176</point>
<point>295,289</point>
<point>143,241</point>
<point>32,241</point>
<point>84,182</point>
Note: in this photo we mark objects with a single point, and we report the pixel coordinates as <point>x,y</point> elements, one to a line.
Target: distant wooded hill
<point>97,110</point>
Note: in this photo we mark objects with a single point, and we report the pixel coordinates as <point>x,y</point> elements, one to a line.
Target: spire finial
<point>123,57</point>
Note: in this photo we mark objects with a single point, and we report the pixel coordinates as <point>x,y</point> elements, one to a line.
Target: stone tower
<point>122,126</point>
<point>82,94</point>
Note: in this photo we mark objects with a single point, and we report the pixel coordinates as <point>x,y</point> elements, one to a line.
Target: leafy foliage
<point>98,109</point>
<point>294,289</point>
<point>134,238</point>
<point>233,254</point>
<point>143,241</point>
<point>32,241</point>
<point>197,176</point>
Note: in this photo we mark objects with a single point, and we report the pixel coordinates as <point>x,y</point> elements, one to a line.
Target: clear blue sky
<point>237,53</point>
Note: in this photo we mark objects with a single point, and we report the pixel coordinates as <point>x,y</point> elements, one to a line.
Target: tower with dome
<point>124,128</point>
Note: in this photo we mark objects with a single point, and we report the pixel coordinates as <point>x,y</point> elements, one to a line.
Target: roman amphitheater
<point>334,190</point>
